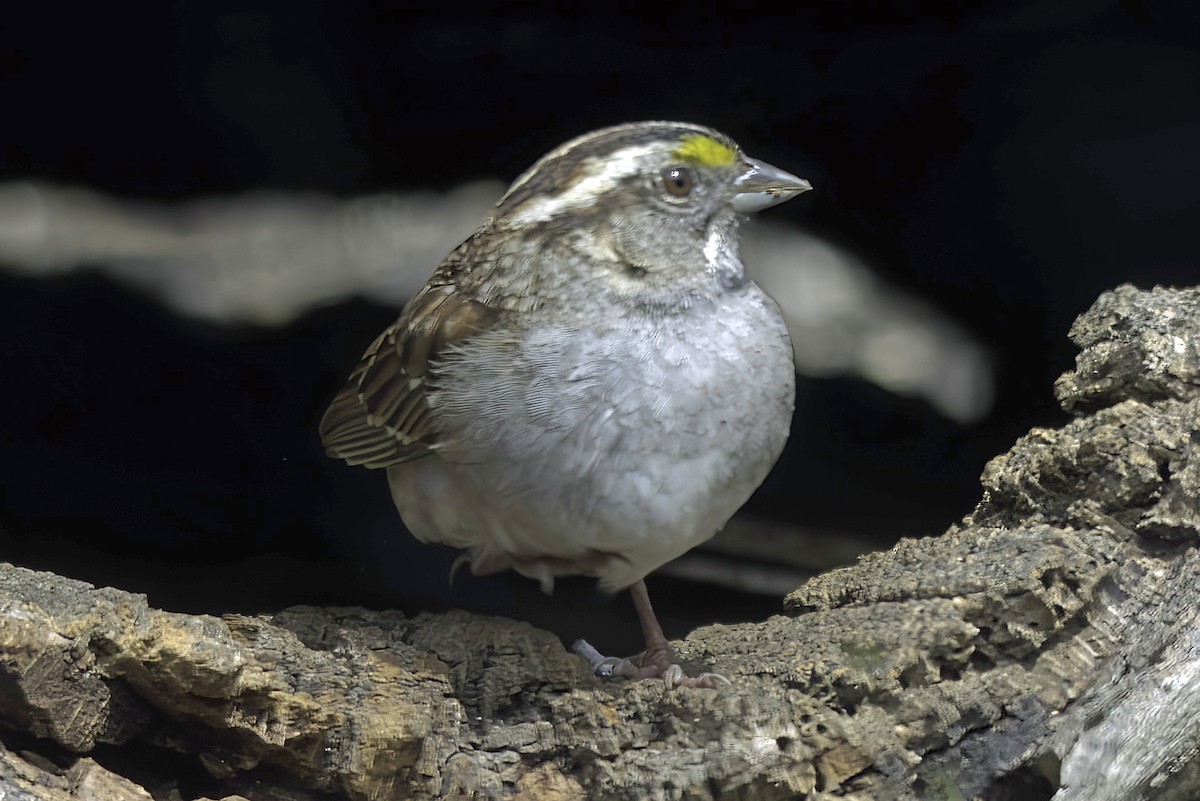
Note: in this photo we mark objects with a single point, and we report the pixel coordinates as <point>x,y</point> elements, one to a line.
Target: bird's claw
<point>640,667</point>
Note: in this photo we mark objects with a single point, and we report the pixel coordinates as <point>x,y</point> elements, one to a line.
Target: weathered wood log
<point>1047,645</point>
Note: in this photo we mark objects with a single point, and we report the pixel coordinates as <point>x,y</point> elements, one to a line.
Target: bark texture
<point>1047,646</point>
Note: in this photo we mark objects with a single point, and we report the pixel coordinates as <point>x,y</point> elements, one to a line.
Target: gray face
<point>649,209</point>
<point>673,212</point>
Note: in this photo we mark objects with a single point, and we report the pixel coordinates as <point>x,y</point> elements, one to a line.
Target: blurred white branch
<point>845,320</point>
<point>266,258</point>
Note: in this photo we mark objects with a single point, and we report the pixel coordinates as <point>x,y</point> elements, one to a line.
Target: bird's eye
<point>678,181</point>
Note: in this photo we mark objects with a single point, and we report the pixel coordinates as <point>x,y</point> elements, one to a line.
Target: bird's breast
<point>637,436</point>
<point>567,406</point>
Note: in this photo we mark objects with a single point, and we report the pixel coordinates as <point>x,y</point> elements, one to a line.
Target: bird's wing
<point>382,416</point>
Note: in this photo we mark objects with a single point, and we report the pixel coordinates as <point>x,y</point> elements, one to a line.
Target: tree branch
<point>1048,642</point>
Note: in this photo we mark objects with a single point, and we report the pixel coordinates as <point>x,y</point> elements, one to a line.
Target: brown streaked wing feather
<point>381,417</point>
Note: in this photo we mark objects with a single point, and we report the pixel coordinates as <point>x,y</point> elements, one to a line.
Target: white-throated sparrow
<point>589,384</point>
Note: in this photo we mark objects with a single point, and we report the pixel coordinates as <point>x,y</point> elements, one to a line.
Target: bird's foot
<point>653,663</point>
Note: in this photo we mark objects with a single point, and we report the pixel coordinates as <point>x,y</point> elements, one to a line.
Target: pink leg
<point>657,661</point>
<point>658,655</point>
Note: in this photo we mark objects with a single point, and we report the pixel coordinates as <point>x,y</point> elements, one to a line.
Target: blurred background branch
<point>267,258</point>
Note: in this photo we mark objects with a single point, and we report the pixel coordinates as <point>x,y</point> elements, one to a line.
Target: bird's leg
<point>658,654</point>
<point>656,662</point>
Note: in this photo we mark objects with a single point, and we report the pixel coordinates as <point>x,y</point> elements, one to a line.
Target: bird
<point>589,384</point>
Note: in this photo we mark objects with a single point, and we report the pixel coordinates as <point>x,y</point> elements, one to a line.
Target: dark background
<point>1006,161</point>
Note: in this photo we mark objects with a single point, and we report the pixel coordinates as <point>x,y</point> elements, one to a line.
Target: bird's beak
<point>762,186</point>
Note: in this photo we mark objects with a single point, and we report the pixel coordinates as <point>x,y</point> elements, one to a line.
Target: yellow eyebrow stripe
<point>705,150</point>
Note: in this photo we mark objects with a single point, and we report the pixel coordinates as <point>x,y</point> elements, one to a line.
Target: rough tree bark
<point>1047,645</point>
